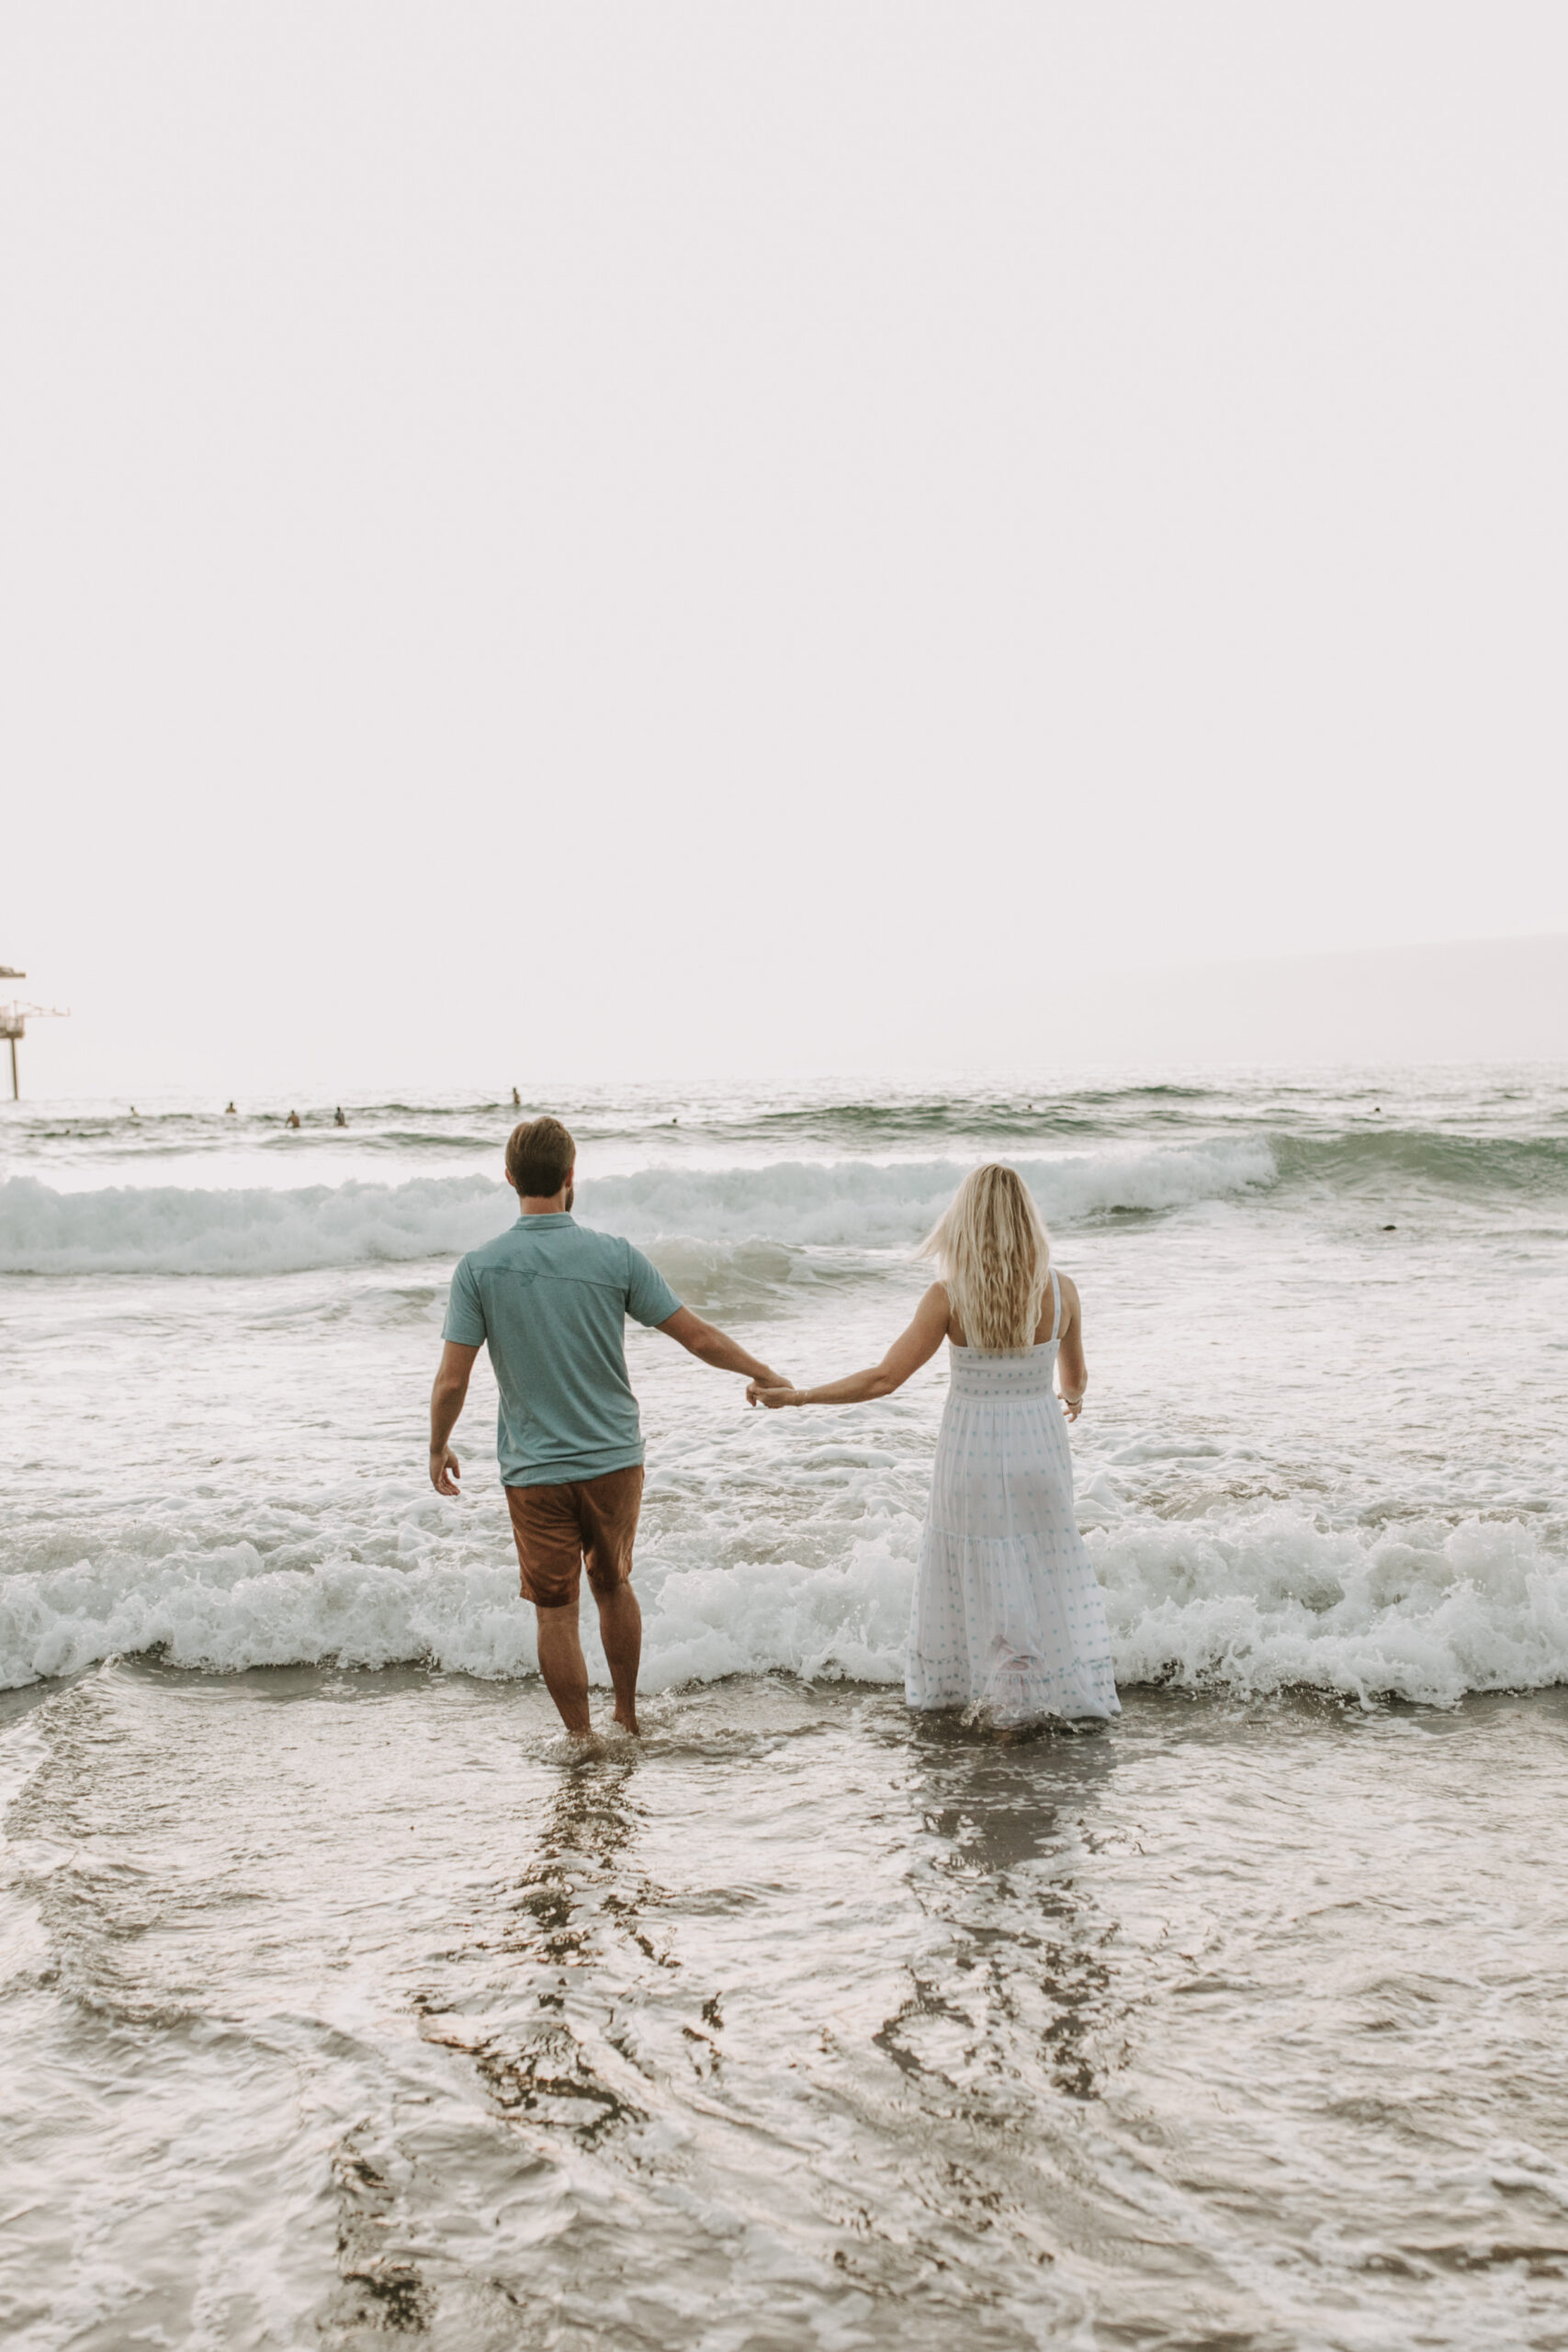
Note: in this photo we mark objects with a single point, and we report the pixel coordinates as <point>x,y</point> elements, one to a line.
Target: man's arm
<point>445,1404</point>
<point>717,1348</point>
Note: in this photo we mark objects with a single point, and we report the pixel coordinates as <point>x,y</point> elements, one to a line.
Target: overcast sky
<point>651,537</point>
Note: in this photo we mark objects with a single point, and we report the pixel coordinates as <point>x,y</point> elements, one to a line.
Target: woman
<point>1007,1619</point>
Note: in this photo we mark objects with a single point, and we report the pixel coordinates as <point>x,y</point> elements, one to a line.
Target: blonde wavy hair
<point>995,1256</point>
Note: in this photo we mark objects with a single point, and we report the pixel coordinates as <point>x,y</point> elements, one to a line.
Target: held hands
<point>772,1392</point>
<point>445,1472</point>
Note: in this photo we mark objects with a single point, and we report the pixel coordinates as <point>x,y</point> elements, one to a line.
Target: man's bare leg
<point>620,1630</point>
<point>562,1664</point>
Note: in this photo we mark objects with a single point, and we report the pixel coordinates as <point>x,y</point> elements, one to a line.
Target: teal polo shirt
<point>550,1299</point>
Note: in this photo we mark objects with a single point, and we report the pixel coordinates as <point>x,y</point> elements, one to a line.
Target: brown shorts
<point>557,1528</point>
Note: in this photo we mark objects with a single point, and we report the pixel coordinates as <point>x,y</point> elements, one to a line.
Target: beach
<point>343,1996</point>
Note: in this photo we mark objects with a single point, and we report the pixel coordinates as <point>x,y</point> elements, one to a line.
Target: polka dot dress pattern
<point>1008,1618</point>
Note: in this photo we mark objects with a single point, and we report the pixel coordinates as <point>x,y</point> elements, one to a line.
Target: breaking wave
<point>857,1204</point>
<point>1424,1159</point>
<point>166,1229</point>
<point>1426,1613</point>
<point>852,1204</point>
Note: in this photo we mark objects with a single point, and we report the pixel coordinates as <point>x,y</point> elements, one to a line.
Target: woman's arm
<point>1071,1371</point>
<point>909,1351</point>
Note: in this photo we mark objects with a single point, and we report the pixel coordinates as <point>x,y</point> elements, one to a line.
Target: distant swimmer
<point>338,1119</point>
<point>134,1112</point>
<point>292,1120</point>
<point>229,1110</point>
<point>516,1099</point>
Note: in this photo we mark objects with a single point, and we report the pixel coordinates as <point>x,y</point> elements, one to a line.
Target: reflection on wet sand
<point>800,2025</point>
<point>573,1938</point>
<point>1026,1978</point>
<point>1009,2011</point>
<point>836,2038</point>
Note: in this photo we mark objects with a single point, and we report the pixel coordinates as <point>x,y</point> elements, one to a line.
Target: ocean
<point>342,1998</point>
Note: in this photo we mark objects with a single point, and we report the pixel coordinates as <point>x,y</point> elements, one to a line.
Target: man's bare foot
<point>629,1725</point>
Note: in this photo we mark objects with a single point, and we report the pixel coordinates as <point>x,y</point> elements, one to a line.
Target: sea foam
<point>1425,1613</point>
<point>852,1204</point>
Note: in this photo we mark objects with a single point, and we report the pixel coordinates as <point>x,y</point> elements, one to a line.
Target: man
<point>550,1299</point>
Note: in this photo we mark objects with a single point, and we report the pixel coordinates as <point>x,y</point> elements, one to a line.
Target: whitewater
<point>1291,1474</point>
<point>341,1999</point>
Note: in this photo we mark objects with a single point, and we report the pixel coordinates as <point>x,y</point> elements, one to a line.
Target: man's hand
<point>444,1471</point>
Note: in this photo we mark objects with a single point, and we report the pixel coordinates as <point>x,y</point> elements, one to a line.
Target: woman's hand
<point>760,1393</point>
<point>1072,1406</point>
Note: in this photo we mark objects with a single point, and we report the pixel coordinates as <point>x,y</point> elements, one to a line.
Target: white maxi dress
<point>1008,1618</point>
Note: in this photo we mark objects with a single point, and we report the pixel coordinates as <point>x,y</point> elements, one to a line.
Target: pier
<point>14,1019</point>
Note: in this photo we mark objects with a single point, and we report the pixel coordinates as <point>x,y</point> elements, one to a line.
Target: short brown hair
<point>539,1159</point>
